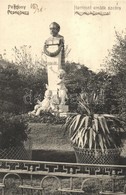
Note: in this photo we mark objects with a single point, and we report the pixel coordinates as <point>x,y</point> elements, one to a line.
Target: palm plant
<point>94,131</point>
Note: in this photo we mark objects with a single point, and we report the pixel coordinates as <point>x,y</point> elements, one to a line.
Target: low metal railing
<point>23,177</point>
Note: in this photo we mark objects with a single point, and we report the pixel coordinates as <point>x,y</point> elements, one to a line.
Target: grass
<point>49,137</point>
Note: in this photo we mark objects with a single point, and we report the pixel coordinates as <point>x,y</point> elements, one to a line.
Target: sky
<point>88,36</point>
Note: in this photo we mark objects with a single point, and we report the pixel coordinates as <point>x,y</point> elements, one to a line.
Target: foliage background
<point>23,82</point>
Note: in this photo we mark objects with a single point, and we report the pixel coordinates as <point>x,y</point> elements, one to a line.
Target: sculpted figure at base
<point>62,90</point>
<point>60,98</point>
<point>45,105</point>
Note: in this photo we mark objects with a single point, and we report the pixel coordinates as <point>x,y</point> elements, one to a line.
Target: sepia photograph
<point>62,97</point>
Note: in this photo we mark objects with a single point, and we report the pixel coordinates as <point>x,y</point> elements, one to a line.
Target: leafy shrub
<point>15,85</point>
<point>46,117</point>
<point>13,130</point>
<point>93,130</point>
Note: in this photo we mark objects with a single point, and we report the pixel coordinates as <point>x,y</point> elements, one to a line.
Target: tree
<point>32,71</point>
<point>26,61</point>
<point>10,88</point>
<point>116,65</point>
<point>78,79</point>
<point>16,85</point>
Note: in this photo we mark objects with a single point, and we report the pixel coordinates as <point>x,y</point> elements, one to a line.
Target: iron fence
<point>23,177</point>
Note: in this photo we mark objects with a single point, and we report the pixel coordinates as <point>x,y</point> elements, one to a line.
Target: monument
<point>54,50</point>
<point>56,93</point>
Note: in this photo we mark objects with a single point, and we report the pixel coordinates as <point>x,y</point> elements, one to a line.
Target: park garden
<point>97,102</point>
<point>23,83</point>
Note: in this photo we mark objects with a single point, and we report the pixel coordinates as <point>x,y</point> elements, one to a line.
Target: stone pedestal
<point>63,108</point>
<point>53,66</point>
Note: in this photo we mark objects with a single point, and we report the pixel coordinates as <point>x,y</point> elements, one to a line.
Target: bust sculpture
<point>54,31</point>
<point>55,40</point>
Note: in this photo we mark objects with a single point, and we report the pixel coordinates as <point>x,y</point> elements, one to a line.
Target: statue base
<point>63,108</point>
<point>66,114</point>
